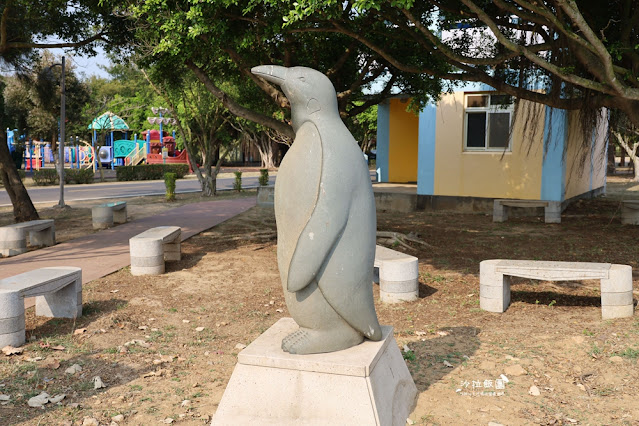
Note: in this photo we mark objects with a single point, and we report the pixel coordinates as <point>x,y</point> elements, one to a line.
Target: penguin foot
<point>307,341</point>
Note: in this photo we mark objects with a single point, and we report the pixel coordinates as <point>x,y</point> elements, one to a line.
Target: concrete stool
<point>13,238</point>
<point>58,293</point>
<point>398,275</point>
<point>151,248</point>
<point>105,215</point>
<point>616,282</point>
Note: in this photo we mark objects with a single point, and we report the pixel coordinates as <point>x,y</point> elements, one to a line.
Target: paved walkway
<point>107,251</point>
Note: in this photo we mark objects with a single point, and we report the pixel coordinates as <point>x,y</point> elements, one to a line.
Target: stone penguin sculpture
<point>326,221</point>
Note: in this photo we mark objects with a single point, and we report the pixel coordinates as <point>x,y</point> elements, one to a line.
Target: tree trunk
<point>635,167</point>
<point>23,208</point>
<point>612,164</point>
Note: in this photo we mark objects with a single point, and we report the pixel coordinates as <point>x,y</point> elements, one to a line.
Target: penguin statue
<point>326,222</point>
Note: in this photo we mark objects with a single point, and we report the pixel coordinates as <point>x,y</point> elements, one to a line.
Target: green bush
<point>237,185</point>
<point>78,175</point>
<point>263,179</point>
<point>44,177</point>
<point>169,183</point>
<point>150,171</point>
<point>21,173</point>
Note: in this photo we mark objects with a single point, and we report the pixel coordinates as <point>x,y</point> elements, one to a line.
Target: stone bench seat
<point>616,282</point>
<point>58,293</point>
<point>105,215</point>
<point>552,209</point>
<point>13,238</point>
<point>152,247</point>
<point>630,212</point>
<point>398,275</point>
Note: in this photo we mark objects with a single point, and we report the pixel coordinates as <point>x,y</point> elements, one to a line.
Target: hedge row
<point>150,171</point>
<point>44,177</point>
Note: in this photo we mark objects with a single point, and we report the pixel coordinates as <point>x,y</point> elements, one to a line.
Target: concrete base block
<point>368,384</point>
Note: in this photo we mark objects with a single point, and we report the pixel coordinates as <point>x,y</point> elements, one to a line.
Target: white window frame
<point>487,109</point>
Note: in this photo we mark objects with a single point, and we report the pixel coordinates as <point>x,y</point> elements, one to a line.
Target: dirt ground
<point>165,346</point>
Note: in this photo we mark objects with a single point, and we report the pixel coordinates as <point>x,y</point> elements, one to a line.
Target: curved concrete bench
<point>105,215</point>
<point>13,238</point>
<point>552,209</point>
<point>58,293</point>
<point>398,275</point>
<point>151,248</point>
<point>616,282</point>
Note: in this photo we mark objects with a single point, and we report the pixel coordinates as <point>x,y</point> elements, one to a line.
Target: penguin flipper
<point>323,228</point>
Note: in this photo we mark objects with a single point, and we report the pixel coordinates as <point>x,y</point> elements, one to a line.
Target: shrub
<point>150,171</point>
<point>237,185</point>
<point>78,175</point>
<point>263,179</point>
<point>45,177</point>
<point>169,183</point>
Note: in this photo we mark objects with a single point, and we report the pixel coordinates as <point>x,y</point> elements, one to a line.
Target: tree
<point>561,53</point>
<point>626,135</point>
<point>222,41</point>
<point>25,26</point>
<point>202,121</point>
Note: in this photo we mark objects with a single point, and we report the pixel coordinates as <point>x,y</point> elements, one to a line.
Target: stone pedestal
<point>368,384</point>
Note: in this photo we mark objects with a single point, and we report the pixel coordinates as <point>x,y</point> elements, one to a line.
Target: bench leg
<point>500,212</point>
<point>494,288</point>
<point>552,212</point>
<point>61,304</point>
<point>12,241</point>
<point>120,216</point>
<point>616,293</point>
<point>147,256</point>
<point>173,251</point>
<point>11,320</point>
<point>102,217</point>
<point>629,216</point>
<point>398,281</point>
<point>46,237</point>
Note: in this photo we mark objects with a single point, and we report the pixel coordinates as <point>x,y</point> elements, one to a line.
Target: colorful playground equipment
<point>38,154</point>
<point>124,152</point>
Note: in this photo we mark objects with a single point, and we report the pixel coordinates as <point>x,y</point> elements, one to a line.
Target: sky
<point>86,65</point>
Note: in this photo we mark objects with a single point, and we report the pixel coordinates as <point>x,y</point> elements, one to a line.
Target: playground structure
<point>38,154</point>
<point>115,150</point>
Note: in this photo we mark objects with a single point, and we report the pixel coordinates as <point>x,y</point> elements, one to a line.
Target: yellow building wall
<point>582,158</point>
<point>403,128</point>
<point>514,174</point>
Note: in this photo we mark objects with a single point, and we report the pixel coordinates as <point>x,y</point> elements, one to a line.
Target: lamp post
<point>62,131</point>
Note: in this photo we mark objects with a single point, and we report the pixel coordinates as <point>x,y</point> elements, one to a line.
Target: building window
<point>487,122</point>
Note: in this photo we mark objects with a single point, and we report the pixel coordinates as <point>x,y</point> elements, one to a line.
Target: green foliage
<point>80,176</point>
<point>150,171</point>
<point>169,183</point>
<point>263,179</point>
<point>45,177</point>
<point>237,185</point>
<point>17,157</point>
<point>409,355</point>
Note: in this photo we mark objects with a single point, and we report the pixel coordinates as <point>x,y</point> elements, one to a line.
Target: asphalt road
<point>97,191</point>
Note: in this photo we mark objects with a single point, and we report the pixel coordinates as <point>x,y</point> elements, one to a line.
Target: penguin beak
<point>273,73</point>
